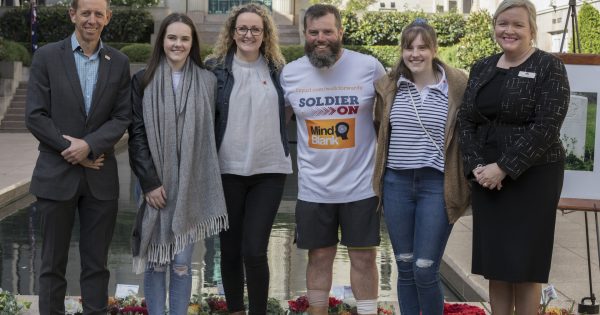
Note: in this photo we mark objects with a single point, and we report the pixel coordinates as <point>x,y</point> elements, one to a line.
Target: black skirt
<point>513,229</point>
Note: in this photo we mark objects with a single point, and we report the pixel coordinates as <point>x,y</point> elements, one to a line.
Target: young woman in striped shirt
<point>418,171</point>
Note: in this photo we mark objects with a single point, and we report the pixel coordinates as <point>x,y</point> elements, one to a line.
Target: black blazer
<point>533,103</point>
<point>55,107</point>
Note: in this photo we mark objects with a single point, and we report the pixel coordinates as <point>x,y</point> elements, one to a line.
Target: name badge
<point>525,74</point>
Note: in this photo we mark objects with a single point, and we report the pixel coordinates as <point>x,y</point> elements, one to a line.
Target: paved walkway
<point>18,153</point>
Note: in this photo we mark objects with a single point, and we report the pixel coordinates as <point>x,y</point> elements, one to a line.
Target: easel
<point>586,205</point>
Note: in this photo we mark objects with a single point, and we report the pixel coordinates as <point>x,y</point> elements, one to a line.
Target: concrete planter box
<point>11,70</point>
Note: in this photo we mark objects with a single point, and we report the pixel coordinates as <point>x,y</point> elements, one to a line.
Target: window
<point>382,4</point>
<point>452,6</point>
<point>393,5</point>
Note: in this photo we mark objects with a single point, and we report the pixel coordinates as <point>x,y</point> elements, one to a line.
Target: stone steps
<point>14,118</point>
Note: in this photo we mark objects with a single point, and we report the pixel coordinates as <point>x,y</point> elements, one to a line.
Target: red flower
<point>300,305</point>
<point>462,309</point>
<point>333,302</point>
<point>383,311</point>
<point>134,310</point>
<point>217,304</point>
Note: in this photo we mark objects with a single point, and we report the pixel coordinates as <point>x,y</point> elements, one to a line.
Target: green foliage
<point>450,27</point>
<point>387,55</point>
<point>13,51</point>
<point>130,26</point>
<point>589,29</point>
<point>9,304</point>
<point>134,3</point>
<point>351,25</point>
<point>477,42</point>
<point>292,52</point>
<point>137,52</point>
<point>126,25</point>
<point>358,5</point>
<point>384,28</point>
<point>336,3</point>
<point>448,55</point>
<point>274,308</point>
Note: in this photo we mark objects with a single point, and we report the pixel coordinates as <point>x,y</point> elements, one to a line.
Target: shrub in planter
<point>292,52</point>
<point>13,51</point>
<point>137,52</point>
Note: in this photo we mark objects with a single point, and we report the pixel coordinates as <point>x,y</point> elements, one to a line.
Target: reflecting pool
<point>20,250</point>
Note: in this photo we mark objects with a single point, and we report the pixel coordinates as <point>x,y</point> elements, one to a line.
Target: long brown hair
<point>409,34</point>
<point>158,52</point>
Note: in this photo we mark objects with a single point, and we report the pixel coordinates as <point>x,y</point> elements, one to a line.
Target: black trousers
<point>97,221</point>
<point>252,203</point>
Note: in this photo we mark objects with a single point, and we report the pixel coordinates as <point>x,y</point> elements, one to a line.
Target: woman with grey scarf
<point>173,153</point>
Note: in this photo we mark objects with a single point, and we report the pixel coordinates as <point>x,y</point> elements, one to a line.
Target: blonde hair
<point>270,44</point>
<point>525,4</point>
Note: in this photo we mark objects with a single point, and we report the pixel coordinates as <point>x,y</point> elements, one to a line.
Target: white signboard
<point>580,130</point>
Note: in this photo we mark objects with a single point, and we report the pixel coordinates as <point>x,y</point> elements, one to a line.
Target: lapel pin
<point>107,57</point>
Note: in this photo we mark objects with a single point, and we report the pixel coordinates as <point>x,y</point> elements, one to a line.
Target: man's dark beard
<point>324,60</point>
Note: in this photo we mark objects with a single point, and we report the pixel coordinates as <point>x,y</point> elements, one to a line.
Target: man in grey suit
<point>78,107</point>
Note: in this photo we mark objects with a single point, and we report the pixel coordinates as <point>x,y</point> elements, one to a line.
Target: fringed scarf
<point>180,131</point>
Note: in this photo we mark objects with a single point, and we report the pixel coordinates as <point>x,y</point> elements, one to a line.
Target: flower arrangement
<point>10,305</point>
<point>298,306</point>
<point>130,305</point>
<point>216,304</point>
<point>462,309</point>
<point>557,311</point>
<point>336,307</point>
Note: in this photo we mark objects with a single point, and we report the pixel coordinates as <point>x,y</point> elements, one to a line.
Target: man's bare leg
<point>364,277</point>
<point>319,273</point>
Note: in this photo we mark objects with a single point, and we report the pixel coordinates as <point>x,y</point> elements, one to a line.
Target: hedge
<point>13,51</point>
<point>385,28</point>
<point>126,25</point>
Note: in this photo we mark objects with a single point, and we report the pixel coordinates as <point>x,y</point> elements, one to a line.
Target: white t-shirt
<point>252,141</point>
<point>336,137</point>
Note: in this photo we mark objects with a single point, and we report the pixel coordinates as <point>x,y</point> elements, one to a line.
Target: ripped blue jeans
<point>180,284</point>
<point>416,219</point>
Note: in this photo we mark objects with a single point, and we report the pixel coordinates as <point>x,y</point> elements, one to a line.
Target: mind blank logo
<point>331,133</point>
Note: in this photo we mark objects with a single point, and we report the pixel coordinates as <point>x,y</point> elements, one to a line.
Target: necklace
<point>503,63</point>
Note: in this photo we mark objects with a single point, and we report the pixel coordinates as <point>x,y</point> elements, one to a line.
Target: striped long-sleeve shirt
<point>410,147</point>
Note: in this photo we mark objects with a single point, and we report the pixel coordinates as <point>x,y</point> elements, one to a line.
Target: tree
<point>477,42</point>
<point>589,29</point>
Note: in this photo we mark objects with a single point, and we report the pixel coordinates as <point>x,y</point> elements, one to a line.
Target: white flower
<point>72,306</point>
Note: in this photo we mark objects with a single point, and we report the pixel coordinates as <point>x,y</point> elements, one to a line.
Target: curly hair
<point>270,44</point>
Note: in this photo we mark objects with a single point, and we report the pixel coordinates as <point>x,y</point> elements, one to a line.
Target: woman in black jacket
<point>509,123</point>
<point>172,152</point>
<point>253,150</point>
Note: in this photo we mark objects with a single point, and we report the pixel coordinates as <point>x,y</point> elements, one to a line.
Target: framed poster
<point>579,132</point>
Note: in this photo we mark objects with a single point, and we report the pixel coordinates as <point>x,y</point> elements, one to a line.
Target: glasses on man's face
<point>243,30</point>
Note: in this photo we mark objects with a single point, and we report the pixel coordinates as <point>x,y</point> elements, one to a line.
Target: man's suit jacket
<point>55,107</point>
